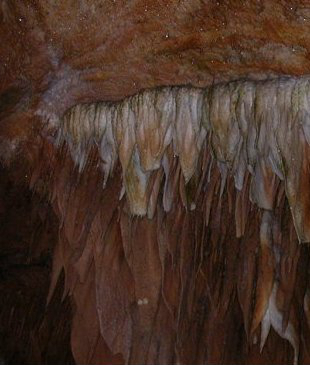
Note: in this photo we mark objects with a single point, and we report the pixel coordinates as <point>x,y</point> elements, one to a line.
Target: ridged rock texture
<point>155,182</point>
<point>182,213</point>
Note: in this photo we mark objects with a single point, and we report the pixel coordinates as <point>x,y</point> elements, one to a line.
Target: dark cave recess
<point>30,331</point>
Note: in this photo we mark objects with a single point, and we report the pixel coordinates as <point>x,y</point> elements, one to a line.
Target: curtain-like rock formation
<point>258,127</point>
<point>181,212</point>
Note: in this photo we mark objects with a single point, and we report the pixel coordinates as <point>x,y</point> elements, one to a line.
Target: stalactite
<point>183,209</point>
<point>261,127</point>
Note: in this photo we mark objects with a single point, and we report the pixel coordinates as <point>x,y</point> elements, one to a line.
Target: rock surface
<point>211,270</point>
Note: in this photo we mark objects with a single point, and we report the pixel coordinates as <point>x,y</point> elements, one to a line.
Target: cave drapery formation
<point>155,181</point>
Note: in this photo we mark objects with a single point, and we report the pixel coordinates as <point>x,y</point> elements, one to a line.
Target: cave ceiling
<point>57,54</point>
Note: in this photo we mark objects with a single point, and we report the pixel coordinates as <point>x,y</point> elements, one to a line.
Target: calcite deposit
<point>261,128</point>
<point>154,187</point>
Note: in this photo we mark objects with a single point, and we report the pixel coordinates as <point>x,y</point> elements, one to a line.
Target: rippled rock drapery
<point>55,55</point>
<point>262,128</point>
<point>178,211</point>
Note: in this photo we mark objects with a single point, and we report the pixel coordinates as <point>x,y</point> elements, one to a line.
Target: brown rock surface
<point>59,54</point>
<point>187,286</point>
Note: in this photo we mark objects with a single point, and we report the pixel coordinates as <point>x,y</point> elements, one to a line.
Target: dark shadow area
<point>30,332</point>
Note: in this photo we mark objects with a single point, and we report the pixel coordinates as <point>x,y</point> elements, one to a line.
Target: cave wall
<point>155,231</point>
